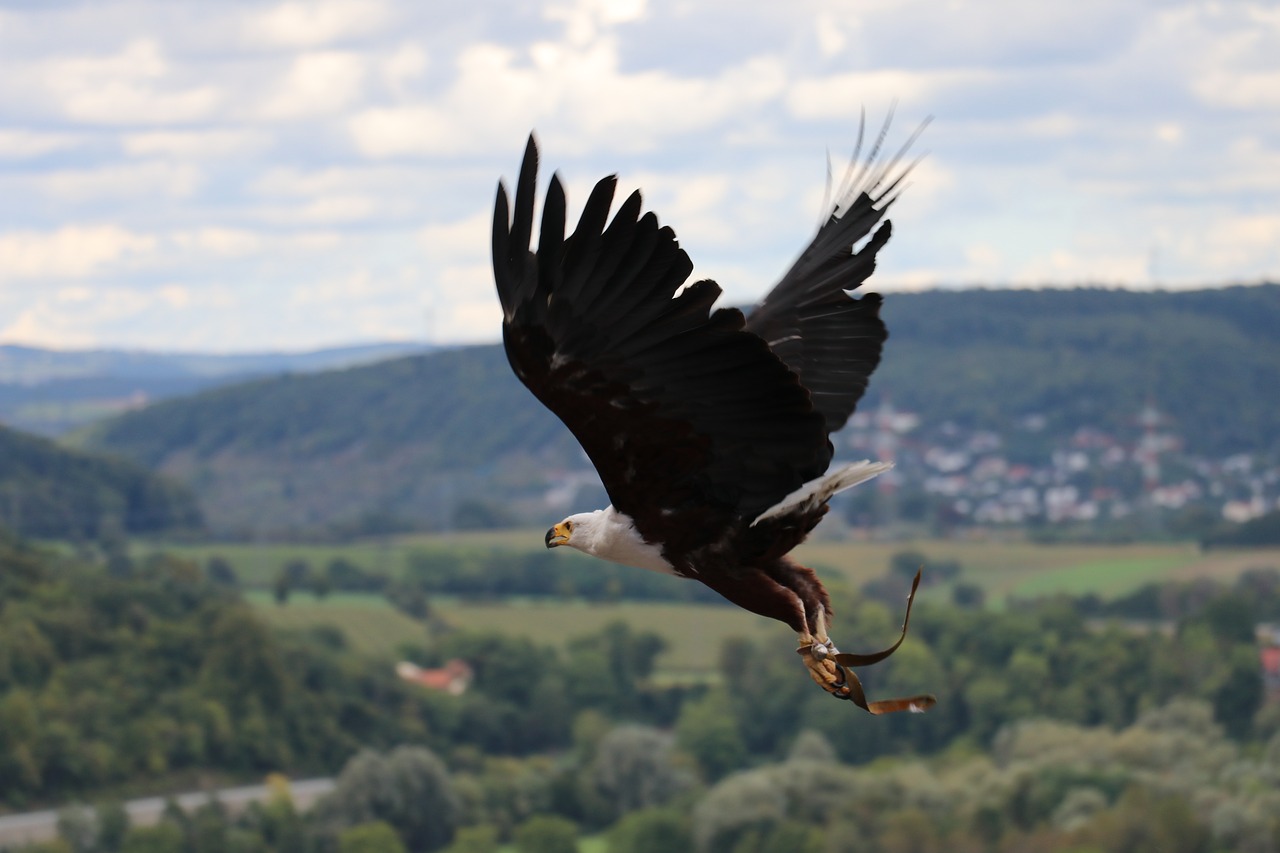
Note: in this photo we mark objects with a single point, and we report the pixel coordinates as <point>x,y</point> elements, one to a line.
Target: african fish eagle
<point>710,430</point>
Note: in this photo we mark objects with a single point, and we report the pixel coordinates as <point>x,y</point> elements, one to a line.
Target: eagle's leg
<point>818,653</point>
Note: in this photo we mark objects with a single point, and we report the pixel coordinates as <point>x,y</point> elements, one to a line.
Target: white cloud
<point>197,164</point>
<point>1240,90</point>
<point>465,238</point>
<point>463,308</point>
<point>22,144</point>
<point>71,251</point>
<point>218,241</point>
<point>1238,241</point>
<point>843,95</point>
<point>125,181</point>
<point>127,87</point>
<point>290,195</point>
<point>1064,266</point>
<point>584,19</point>
<point>195,144</point>
<point>595,99</point>
<point>316,84</point>
<point>406,63</point>
<point>315,24</point>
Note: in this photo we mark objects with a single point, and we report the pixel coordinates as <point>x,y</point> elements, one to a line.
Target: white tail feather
<point>817,492</point>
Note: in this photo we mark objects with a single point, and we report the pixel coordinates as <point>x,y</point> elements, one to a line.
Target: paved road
<point>42,826</point>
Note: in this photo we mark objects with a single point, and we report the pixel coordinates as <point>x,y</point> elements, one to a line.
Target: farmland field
<point>694,633</point>
<point>371,626</point>
<point>1002,569</point>
<point>257,563</point>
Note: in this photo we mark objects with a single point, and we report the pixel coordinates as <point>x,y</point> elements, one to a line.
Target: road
<point>30,827</point>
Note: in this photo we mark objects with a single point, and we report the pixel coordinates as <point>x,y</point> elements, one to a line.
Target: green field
<point>694,633</point>
<point>1001,568</point>
<point>258,563</point>
<point>371,626</point>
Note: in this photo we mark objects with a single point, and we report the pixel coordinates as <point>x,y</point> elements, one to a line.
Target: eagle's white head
<point>609,535</point>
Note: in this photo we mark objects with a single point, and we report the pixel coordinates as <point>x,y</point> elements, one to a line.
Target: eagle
<point>710,429</point>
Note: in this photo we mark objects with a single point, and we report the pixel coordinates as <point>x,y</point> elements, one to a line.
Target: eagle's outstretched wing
<point>680,409</point>
<point>831,339</point>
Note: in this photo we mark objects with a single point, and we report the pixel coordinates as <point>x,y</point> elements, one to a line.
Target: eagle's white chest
<point>612,536</point>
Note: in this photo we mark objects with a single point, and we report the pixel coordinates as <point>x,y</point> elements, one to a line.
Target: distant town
<point>1141,476</point>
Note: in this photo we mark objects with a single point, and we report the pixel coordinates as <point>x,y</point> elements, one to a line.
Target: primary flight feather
<point>710,430</point>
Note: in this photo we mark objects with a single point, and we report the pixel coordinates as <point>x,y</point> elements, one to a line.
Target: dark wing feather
<point>683,413</point>
<point>810,321</point>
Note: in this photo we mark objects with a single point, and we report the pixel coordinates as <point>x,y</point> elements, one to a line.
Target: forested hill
<point>402,440</point>
<point>415,436</point>
<point>47,490</point>
<point>1208,358</point>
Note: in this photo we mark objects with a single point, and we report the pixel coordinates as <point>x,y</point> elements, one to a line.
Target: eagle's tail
<point>815,493</point>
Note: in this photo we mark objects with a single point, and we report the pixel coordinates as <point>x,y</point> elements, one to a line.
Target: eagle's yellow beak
<point>558,535</point>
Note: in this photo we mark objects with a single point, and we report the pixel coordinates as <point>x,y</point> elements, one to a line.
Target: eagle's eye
<point>568,525</point>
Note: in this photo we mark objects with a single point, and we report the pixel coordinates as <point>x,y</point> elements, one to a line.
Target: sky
<point>229,176</point>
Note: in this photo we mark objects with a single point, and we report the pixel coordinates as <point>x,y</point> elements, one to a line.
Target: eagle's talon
<point>840,688</point>
<point>819,659</point>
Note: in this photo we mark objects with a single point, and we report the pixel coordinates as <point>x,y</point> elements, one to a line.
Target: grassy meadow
<point>1005,570</point>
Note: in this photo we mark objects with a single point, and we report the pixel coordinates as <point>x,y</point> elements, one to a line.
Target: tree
<point>742,803</point>
<point>968,595</point>
<point>708,732</point>
<point>298,571</point>
<point>220,571</point>
<point>633,769</point>
<point>209,828</point>
<point>1241,693</point>
<point>321,585</point>
<point>474,839</point>
<point>78,826</point>
<point>280,588</point>
<point>164,837</point>
<point>113,823</point>
<point>345,575</point>
<point>651,831</point>
<point>374,837</point>
<point>409,788</point>
<point>547,834</point>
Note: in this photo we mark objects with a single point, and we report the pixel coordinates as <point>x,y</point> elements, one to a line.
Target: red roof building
<point>453,678</point>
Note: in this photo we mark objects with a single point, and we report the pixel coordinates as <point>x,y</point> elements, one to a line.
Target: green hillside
<point>1209,358</point>
<point>428,439</point>
<point>373,447</point>
<point>47,490</point>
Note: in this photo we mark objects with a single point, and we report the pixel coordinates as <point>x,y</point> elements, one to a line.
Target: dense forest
<point>48,490</point>
<point>411,440</point>
<point>1054,730</point>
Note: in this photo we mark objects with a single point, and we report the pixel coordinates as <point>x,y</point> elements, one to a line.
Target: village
<point>1141,479</point>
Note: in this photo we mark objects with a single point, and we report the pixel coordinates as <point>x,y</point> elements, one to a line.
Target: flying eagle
<point>710,430</point>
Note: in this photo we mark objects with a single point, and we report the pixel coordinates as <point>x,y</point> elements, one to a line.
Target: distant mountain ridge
<point>414,438</point>
<point>52,391</point>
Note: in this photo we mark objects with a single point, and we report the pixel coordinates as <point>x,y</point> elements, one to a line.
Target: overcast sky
<point>233,176</point>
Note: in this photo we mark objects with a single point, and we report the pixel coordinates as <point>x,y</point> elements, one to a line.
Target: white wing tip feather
<point>819,491</point>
